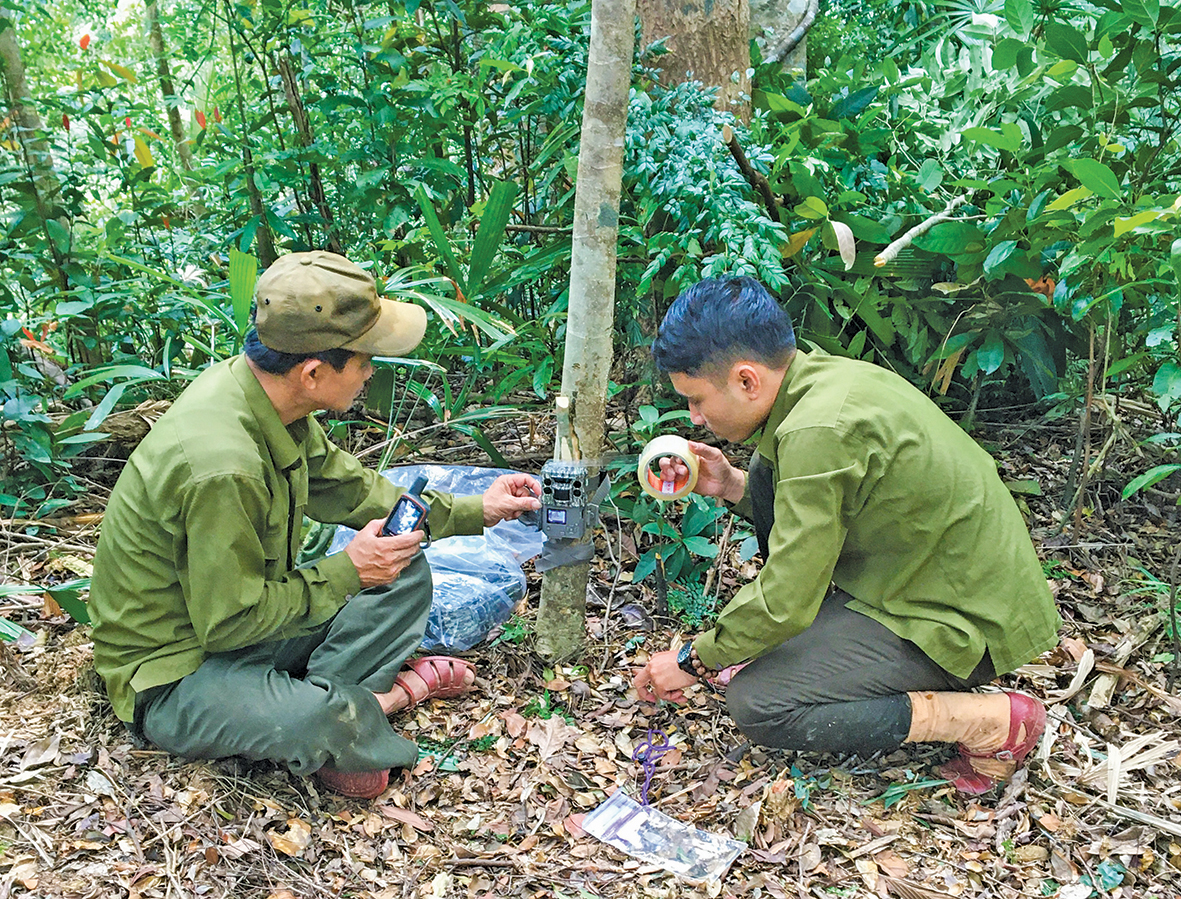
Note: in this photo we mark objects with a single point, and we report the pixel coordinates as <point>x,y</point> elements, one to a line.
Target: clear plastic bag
<point>478,579</point>
<point>642,832</point>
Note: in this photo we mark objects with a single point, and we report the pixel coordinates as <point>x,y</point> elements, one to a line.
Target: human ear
<point>748,379</point>
<point>308,371</point>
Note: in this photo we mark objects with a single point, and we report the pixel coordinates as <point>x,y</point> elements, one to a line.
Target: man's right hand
<point>715,475</point>
<point>378,559</point>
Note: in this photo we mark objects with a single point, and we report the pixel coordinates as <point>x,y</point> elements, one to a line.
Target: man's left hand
<point>662,678</point>
<point>509,496</point>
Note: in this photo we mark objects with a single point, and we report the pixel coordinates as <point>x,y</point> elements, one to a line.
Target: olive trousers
<point>307,701</point>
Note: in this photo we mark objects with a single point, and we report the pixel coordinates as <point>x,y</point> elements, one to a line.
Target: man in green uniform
<point>898,573</point>
<point>212,642</point>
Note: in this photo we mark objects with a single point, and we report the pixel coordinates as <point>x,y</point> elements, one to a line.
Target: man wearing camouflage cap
<point>212,642</point>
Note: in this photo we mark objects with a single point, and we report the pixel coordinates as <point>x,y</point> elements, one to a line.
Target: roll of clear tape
<point>675,447</point>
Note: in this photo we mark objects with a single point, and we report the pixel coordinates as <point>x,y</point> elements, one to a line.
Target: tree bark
<point>707,41</point>
<point>303,127</point>
<point>167,87</point>
<point>590,323</point>
<point>30,129</point>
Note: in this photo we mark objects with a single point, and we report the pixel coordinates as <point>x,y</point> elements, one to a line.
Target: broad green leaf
<point>1167,385</point>
<point>243,276</point>
<point>59,234</point>
<point>1004,54</point>
<point>490,234</point>
<point>1096,176</point>
<point>1067,41</point>
<point>1143,12</point>
<point>1124,225</point>
<point>993,138</point>
<point>440,237</point>
<point>999,254</point>
<point>1027,487</point>
<point>952,238</point>
<point>701,546</point>
<point>854,104</point>
<point>1152,476</point>
<point>991,353</point>
<point>930,175</point>
<point>1019,15</point>
<point>1068,199</point>
<point>812,208</point>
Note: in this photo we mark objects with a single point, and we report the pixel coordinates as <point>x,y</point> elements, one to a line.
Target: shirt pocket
<point>275,547</point>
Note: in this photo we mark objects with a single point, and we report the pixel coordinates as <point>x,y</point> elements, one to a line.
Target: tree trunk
<point>590,323</point>
<point>30,129</point>
<point>167,88</point>
<point>303,128</point>
<point>266,242</point>
<point>707,41</point>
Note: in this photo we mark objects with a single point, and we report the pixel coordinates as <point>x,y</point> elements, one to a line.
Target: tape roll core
<point>650,482</point>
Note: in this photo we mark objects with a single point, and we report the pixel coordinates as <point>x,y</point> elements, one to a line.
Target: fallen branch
<point>755,179</point>
<point>886,256</point>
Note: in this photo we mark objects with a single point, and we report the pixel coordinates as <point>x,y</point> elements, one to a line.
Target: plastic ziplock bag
<point>651,836</point>
<point>478,579</point>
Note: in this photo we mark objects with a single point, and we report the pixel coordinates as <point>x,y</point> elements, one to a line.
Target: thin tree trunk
<point>707,41</point>
<point>303,128</point>
<point>590,324</point>
<point>266,243</point>
<point>30,131</point>
<point>167,87</point>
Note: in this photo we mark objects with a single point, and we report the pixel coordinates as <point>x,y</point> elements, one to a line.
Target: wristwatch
<point>685,659</point>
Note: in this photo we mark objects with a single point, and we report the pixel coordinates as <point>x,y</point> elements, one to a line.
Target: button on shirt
<point>880,493</point>
<point>199,539</point>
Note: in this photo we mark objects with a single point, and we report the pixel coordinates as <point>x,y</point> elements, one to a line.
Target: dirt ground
<point>492,808</point>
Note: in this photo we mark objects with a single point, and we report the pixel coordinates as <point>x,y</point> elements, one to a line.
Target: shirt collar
<point>283,441</point>
<point>785,400</point>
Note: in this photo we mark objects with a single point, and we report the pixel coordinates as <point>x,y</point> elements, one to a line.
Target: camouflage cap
<point>317,301</point>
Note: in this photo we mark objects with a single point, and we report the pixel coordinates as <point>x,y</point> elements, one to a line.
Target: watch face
<point>683,653</point>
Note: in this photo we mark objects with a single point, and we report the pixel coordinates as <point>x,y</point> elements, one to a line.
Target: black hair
<point>718,321</point>
<point>274,362</point>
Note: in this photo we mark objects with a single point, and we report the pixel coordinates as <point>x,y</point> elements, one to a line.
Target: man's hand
<point>715,475</point>
<point>379,560</point>
<point>509,496</point>
<point>662,678</point>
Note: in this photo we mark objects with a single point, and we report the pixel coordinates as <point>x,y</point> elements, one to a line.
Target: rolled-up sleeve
<point>811,505</point>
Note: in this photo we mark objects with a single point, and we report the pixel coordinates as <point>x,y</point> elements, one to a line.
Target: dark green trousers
<point>306,701</point>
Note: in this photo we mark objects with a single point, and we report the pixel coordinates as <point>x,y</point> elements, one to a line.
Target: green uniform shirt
<point>201,533</point>
<point>880,493</point>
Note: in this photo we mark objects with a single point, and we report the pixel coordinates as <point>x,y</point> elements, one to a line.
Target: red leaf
<point>85,42</point>
<point>167,221</point>
<point>66,122</point>
<point>128,121</point>
<point>216,114</point>
<point>201,119</point>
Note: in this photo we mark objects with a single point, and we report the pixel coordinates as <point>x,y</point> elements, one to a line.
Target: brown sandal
<point>442,676</point>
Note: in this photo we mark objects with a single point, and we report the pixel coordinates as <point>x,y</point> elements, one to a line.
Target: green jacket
<point>199,539</point>
<point>880,493</point>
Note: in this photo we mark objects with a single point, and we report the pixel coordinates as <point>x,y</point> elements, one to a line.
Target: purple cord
<point>648,754</point>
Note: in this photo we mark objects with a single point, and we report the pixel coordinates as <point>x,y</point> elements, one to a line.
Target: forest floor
<point>492,808</point>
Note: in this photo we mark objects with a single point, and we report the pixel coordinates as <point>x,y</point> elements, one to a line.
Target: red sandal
<point>355,784</point>
<point>443,677</point>
<point>1027,722</point>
